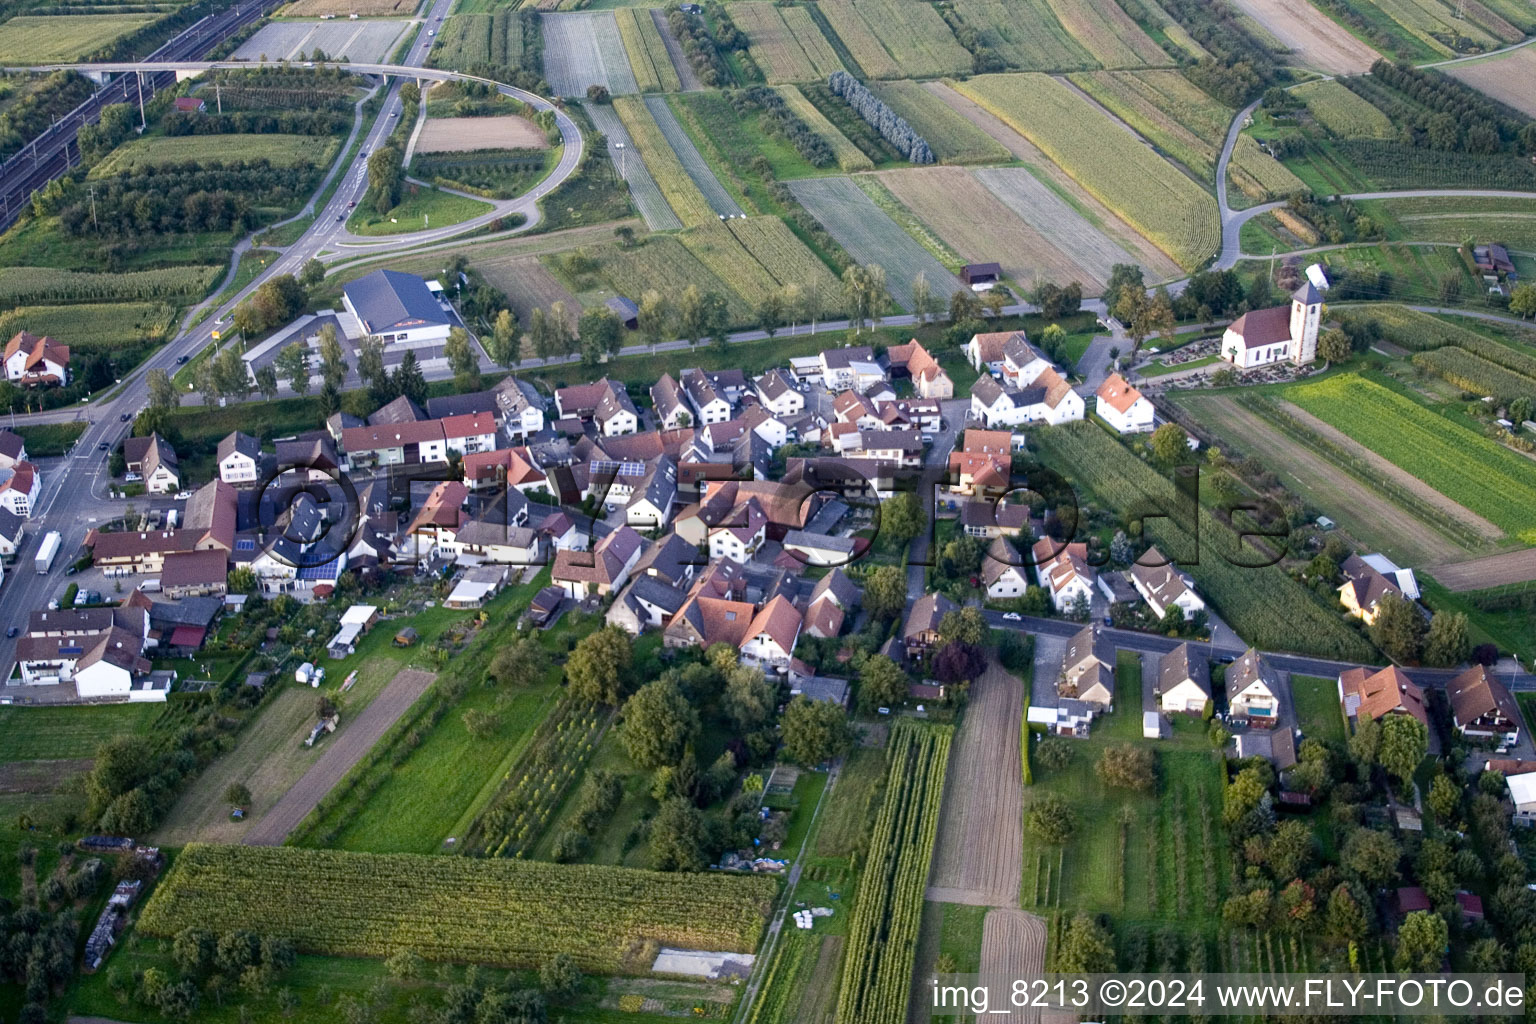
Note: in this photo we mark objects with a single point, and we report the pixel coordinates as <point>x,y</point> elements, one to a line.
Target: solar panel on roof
<point>324,571</point>
<point>245,544</point>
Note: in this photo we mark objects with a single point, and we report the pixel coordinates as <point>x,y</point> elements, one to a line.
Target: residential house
<point>770,638</point>
<point>648,602</point>
<point>311,455</point>
<point>154,459</point>
<point>510,468</point>
<point>709,404</point>
<point>239,458</point>
<point>1002,571</point>
<point>1261,337</point>
<point>1064,572</point>
<point>197,573</point>
<point>669,404</point>
<point>397,308</point>
<point>520,407</point>
<point>1183,681</point>
<point>985,351</point>
<point>602,571</point>
<point>470,433</point>
<point>777,393</point>
<point>833,598</point>
<point>13,449</point>
<point>100,650</point>
<point>820,549</point>
<point>20,487</point>
<point>920,633</point>
<point>561,533</point>
<point>650,503</point>
<point>1123,407</point>
<point>987,520</point>
<point>12,532</point>
<point>1088,668</point>
<point>1277,746</point>
<point>740,533</point>
<point>1164,586</point>
<point>715,610</point>
<point>1252,690</point>
<point>928,378</point>
<point>1406,582</point>
<point>1522,793</point>
<point>395,444</point>
<point>435,525</point>
<point>1363,588</point>
<point>1482,707</point>
<point>760,421</point>
<point>983,464</point>
<point>482,540</point>
<point>31,361</point>
<point>603,402</point>
<point>1049,399</point>
<point>304,557</point>
<point>838,369</point>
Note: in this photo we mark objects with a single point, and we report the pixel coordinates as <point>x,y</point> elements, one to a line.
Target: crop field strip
<point>1260,175</point>
<point>954,140</point>
<point>470,39</point>
<point>896,38</point>
<point>882,937</point>
<point>980,227</point>
<point>786,42</point>
<point>456,909</point>
<point>666,262</point>
<point>38,39</point>
<point>692,160</point>
<point>42,285</point>
<point>159,150</point>
<point>647,53</point>
<point>584,48</point>
<point>92,325</point>
<point>682,194</point>
<point>772,244</point>
<point>1345,113</point>
<point>1026,34</point>
<point>642,187</point>
<point>1054,218</point>
<point>1149,193</point>
<point>1108,33</point>
<point>850,157</point>
<point>1315,39</point>
<point>1507,78</point>
<point>1481,474</point>
<point>1168,109</point>
<point>871,237</point>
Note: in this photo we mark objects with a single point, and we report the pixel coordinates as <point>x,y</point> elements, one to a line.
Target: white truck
<point>48,551</point>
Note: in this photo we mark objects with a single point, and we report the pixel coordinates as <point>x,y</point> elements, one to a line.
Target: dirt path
<point>1327,480</point>
<point>1401,477</point>
<point>1492,571</point>
<point>345,749</point>
<point>980,855</point>
<point>1310,35</point>
<point>1013,946</point>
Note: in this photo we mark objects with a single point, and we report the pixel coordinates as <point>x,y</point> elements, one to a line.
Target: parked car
<point>1013,616</point>
<point>183,495</point>
<point>131,478</point>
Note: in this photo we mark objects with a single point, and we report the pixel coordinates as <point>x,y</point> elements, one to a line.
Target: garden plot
<point>1510,78</point>
<point>693,162</point>
<point>466,134</point>
<point>584,48</point>
<point>1315,39</point>
<point>32,39</point>
<point>981,228</point>
<point>871,237</point>
<point>642,187</point>
<point>361,42</point>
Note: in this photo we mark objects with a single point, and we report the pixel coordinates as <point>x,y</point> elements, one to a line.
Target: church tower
<point>1306,312</point>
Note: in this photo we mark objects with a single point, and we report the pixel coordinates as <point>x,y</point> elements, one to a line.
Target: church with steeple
<point>1266,336</point>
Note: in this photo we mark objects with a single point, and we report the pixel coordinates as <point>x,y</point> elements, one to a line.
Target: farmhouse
<point>32,361</point>
<point>1088,668</point>
<point>1123,407</point>
<point>1252,691</point>
<point>1482,707</point>
<point>1164,586</point>
<point>1378,694</point>
<point>396,307</point>
<point>1261,337</point>
<point>1183,680</point>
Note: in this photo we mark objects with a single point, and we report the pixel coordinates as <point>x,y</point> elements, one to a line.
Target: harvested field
<point>363,8</point>
<point>687,77</point>
<point>954,139</point>
<point>1027,35</point>
<point>361,42</point>
<point>466,134</point>
<point>37,39</point>
<point>1026,195</point>
<point>1116,168</point>
<point>642,187</point>
<point>693,161</point>
<point>850,157</point>
<point>1168,109</point>
<point>1344,112</point>
<point>980,227</point>
<point>528,286</point>
<point>1013,946</point>
<point>343,750</point>
<point>1507,78</point>
<point>1483,573</point>
<point>1108,33</point>
<point>896,38</point>
<point>584,48</point>
<point>785,42</point>
<point>647,53</point>
<point>979,856</point>
<point>1316,40</point>
<point>41,776</point>
<point>870,236</point>
<point>1057,183</point>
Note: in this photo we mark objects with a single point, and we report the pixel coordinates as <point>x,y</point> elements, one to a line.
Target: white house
<point>520,406</point>
<point>1264,336</point>
<point>239,459</point>
<point>20,487</point>
<point>820,548</point>
<point>740,534</point>
<point>1123,407</point>
<point>837,366</point>
<point>1252,689</point>
<point>32,361</point>
<point>1050,399</point>
<point>470,433</point>
<point>985,351</point>
<point>1183,681</point>
<point>1522,793</point>
<point>397,308</point>
<point>763,423</point>
<point>777,394</point>
<point>1002,570</point>
<point>669,404</point>
<point>708,403</point>
<point>1164,586</point>
<point>651,500</point>
<point>770,639</point>
<point>1064,572</point>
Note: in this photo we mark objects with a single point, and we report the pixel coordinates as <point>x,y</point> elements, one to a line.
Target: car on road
<point>125,417</point>
<point>352,204</point>
<point>1013,616</point>
<point>183,495</point>
<point>103,447</point>
<point>339,218</point>
<point>927,438</point>
<point>180,360</point>
<point>430,32</point>
<point>13,631</point>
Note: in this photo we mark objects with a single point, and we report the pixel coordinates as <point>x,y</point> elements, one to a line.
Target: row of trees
<point>891,125</point>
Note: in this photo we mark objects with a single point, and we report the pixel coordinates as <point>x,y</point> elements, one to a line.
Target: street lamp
<point>620,147</point>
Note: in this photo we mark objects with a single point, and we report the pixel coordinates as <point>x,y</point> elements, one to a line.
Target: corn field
<point>29,286</point>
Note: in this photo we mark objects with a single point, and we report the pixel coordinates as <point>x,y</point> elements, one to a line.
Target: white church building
<point>1265,336</point>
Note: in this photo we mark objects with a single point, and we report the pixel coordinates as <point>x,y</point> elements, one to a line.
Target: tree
<point>658,724</point>
<point>864,294</point>
<point>408,378</point>
<point>748,699</point>
<point>692,318</point>
<point>523,661</point>
<point>770,312</point>
<point>626,236</point>
<point>312,273</point>
<point>1289,849</point>
<point>1404,742</point>
<point>162,393</point>
<point>370,365</point>
<point>1086,948</point>
<point>292,364</point>
<point>1333,346</point>
<point>595,670</point>
<point>1421,942</point>
<point>266,381</point>
<point>480,724</point>
<point>559,325</point>
<point>1128,766</point>
<point>541,335</point>
<point>193,950</point>
<point>885,592</point>
<point>385,177</point>
<point>882,684</point>
<point>1443,797</point>
<point>1522,300</point>
<point>404,964</point>
<point>333,362</point>
<point>654,317</point>
<point>902,517</point>
<point>599,331</point>
<point>1346,920</point>
<point>963,626</point>
<point>230,374</point>
<point>1448,642</point>
<point>1398,629</point>
<point>559,976</point>
<point>1050,819</point>
<point>505,344</point>
<point>236,793</point>
<point>1371,856</point>
<point>717,318</point>
<point>460,353</point>
<point>922,296</point>
<point>1123,277</point>
<point>597,93</point>
<point>959,662</point>
<point>1169,443</point>
<point>814,731</point>
<point>677,837</point>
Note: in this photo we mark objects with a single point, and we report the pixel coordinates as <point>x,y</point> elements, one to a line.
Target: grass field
<point>421,208</point>
<point>850,157</point>
<point>157,151</point>
<point>1317,707</point>
<point>1507,78</point>
<point>92,325</point>
<point>1343,112</point>
<point>40,733</point>
<point>45,439</point>
<point>682,195</point>
<point>896,38</point>
<point>1260,175</point>
<point>785,42</point>
<point>954,139</point>
<point>30,39</point>
<point>1164,106</point>
<point>1148,192</point>
<point>1486,477</point>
